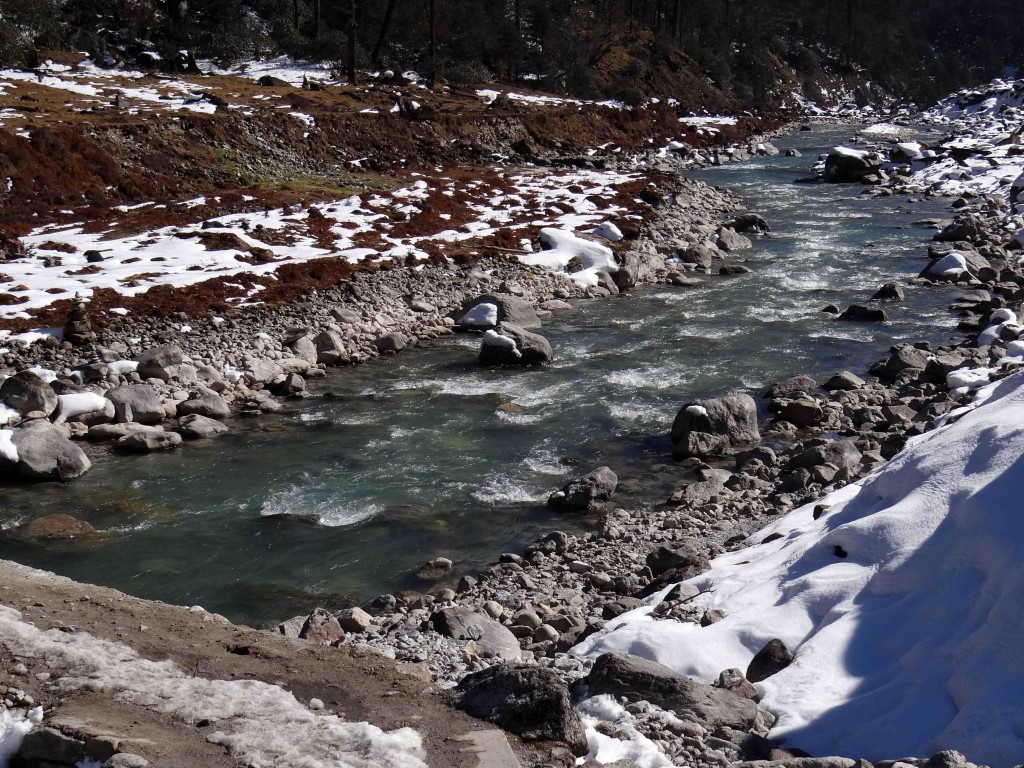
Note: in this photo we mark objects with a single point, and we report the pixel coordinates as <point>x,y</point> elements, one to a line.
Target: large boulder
<point>845,165</point>
<point>638,679</point>
<point>586,493</point>
<point>961,229</point>
<point>44,453</point>
<point>510,344</point>
<point>54,527</point>
<point>161,362</point>
<point>25,392</point>
<point>955,264</point>
<point>148,442</point>
<point>486,312</point>
<point>212,406</point>
<point>197,427</point>
<point>715,427</point>
<point>531,702</point>
<point>321,627</point>
<point>330,348</point>
<point>839,453</point>
<point>730,240</point>
<point>774,657</point>
<point>136,402</point>
<point>489,637</point>
<point>700,254</point>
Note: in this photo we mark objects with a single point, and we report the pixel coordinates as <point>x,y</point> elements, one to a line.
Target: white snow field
<point>908,645</point>
<point>259,724</point>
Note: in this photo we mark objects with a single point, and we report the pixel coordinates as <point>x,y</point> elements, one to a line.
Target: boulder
<point>212,406</point>
<point>889,292</point>
<point>490,637</point>
<point>391,343</point>
<point>845,165</point>
<point>803,413</point>
<point>160,362</point>
<point>305,348</point>
<point>262,371</point>
<point>54,527</point>
<point>44,453</point>
<point>715,427</point>
<point>802,384</point>
<point>510,344</point>
<point>485,312</point>
<point>434,570</point>
<point>136,402</point>
<point>902,357</point>
<point>858,313</point>
<point>197,427</point>
<point>102,433</point>
<point>586,493</point>
<point>700,255</point>
<point>685,555</point>
<point>638,679</point>
<point>330,348</point>
<point>844,381</point>
<point>26,392</point>
<point>750,222</point>
<point>531,702</point>
<point>730,240</point>
<point>961,229</point>
<point>774,657</point>
<point>354,620</point>
<point>839,453</point>
<point>147,442</point>
<point>321,627</point>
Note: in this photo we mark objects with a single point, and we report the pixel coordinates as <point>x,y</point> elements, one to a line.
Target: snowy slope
<point>910,644</point>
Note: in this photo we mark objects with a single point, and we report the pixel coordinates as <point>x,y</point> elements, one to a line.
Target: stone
<point>126,760</point>
<point>889,292</point>
<point>490,637</point>
<point>860,314</point>
<point>774,657</point>
<point>803,413</point>
<point>102,433</point>
<point>510,344</point>
<point>531,702</point>
<point>77,329</point>
<point>160,362</point>
<point>844,165</point>
<point>637,679</point>
<point>196,427</point>
<point>434,570</point>
<point>391,343</point>
<point>730,240</point>
<point>136,402</point>
<point>292,627</point>
<point>586,493</point>
<point>330,348</point>
<point>354,620</point>
<point>45,453</point>
<point>839,453</point>
<point>212,406</point>
<point>321,627</point>
<point>734,269</point>
<point>507,309</point>
<point>148,442</point>
<point>52,746</point>
<point>700,254</point>
<point>750,222</point>
<point>844,381</point>
<point>25,392</point>
<point>55,527</point>
<point>305,348</point>
<point>346,316</point>
<point>262,371</point>
<point>802,384</point>
<point>677,556</point>
<point>715,427</point>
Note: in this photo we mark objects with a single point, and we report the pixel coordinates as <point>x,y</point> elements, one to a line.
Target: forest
<point>751,51</point>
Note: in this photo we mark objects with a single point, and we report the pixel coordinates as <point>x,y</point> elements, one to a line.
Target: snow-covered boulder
<point>608,231</point>
<point>43,452</point>
<point>846,165</point>
<point>508,344</point>
<point>488,311</point>
<point>88,408</point>
<point>26,392</point>
<point>565,251</point>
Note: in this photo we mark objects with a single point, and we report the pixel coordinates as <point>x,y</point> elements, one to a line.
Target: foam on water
<point>500,489</point>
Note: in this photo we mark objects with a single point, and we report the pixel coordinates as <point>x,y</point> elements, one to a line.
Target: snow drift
<point>907,645</point>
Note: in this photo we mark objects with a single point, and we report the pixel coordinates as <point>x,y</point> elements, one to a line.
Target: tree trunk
<point>351,57</point>
<point>384,28</point>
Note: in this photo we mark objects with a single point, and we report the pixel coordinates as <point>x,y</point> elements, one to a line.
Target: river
<point>427,454</point>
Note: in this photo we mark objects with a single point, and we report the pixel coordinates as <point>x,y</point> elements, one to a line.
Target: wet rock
<point>321,627</point>
<point>212,406</point>
<point>197,427</point>
<point>889,292</point>
<point>774,657</point>
<point>857,313</point>
<point>845,165</point>
<point>734,269</point>
<point>750,222</point>
<point>531,702</point>
<point>434,570</point>
<point>52,527</point>
<point>44,453</point>
<point>586,493</point>
<point>509,344</point>
<point>715,427</point>
<point>25,392</point>
<point>730,240</point>
<point>148,442</point>
<point>638,679</point>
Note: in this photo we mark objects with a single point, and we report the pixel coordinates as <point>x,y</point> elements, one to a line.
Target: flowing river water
<point>427,454</point>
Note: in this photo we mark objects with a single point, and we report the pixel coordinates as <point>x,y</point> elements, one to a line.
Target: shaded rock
<point>701,255</point>
<point>860,314</point>
<point>750,222</point>
<point>715,427</point>
<point>889,292</point>
<point>734,269</point>
<point>48,746</point>
<point>686,556</point>
<point>803,413</point>
<point>638,679</point>
<point>26,392</point>
<point>434,570</point>
<point>531,702</point>
<point>586,493</point>
<point>774,657</point>
<point>197,427</point>
<point>845,165</point>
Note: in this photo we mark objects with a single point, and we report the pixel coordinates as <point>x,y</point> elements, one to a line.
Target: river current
<point>427,454</point>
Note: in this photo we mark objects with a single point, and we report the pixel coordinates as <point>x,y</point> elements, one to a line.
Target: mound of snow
<point>907,645</point>
<point>562,247</point>
<point>8,450</point>
<point>13,728</point>
<point>79,404</point>
<point>483,315</point>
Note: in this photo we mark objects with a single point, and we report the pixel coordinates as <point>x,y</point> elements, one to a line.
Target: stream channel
<point>428,454</point>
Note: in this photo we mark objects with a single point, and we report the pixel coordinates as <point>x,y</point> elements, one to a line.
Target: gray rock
<point>197,427</point>
<point>844,381</point>
<point>160,362</point>
<point>44,453</point>
<point>586,493</point>
<point>102,433</point>
<point>510,309</point>
<point>263,371</point>
<point>212,406</point>
<point>52,746</point>
<point>354,620</point>
<point>730,240</point>
<point>330,348</point>
<point>889,292</point>
<point>791,386</point>
<point>774,657</point>
<point>434,570</point>
<point>700,255</point>
<point>525,348</point>
<point>136,402</point>
<point>304,348</point>
<point>391,342</point>
<point>346,316</point>
<point>750,222</point>
<point>840,453</point>
<point>715,427</point>
<point>846,167</point>
<point>147,442</point>
<point>803,413</point>
<point>26,392</point>
<point>490,637</point>
<point>126,760</point>
<point>857,313</point>
<point>638,679</point>
<point>531,702</point>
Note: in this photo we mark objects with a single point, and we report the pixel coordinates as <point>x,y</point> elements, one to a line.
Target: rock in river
<point>586,493</point>
<point>715,427</point>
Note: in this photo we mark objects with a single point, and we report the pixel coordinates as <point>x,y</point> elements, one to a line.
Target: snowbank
<point>13,728</point>
<point>562,247</point>
<point>8,450</point>
<point>259,723</point>
<point>906,646</point>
